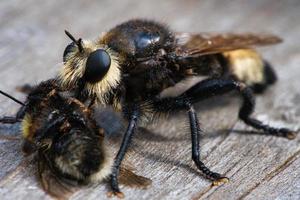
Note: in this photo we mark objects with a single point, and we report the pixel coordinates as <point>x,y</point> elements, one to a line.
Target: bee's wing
<point>189,44</point>
<point>128,178</point>
<point>52,184</point>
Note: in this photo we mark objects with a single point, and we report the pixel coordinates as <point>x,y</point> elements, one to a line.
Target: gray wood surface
<point>259,166</point>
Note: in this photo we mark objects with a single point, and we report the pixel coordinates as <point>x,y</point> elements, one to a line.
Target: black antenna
<point>12,98</point>
<point>77,42</point>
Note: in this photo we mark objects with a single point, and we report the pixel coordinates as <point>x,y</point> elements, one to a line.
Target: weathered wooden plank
<point>260,167</point>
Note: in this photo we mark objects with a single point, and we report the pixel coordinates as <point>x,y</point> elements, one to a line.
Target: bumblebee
<point>68,142</point>
<point>134,66</point>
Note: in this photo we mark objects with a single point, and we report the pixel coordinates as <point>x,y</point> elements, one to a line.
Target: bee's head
<point>91,62</point>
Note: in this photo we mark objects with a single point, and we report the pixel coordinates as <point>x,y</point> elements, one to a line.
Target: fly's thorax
<point>138,38</point>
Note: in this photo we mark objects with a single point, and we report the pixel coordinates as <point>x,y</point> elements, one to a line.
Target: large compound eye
<point>70,48</point>
<point>97,65</point>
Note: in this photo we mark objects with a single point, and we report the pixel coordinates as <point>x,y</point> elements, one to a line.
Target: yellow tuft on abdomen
<point>246,65</point>
<point>27,127</point>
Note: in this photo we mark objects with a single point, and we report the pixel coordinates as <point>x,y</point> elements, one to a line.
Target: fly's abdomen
<point>247,66</point>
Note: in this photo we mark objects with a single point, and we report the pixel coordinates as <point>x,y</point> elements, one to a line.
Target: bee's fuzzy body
<point>63,133</point>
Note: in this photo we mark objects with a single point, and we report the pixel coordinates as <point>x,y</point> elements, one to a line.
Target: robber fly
<point>69,144</point>
<point>132,65</point>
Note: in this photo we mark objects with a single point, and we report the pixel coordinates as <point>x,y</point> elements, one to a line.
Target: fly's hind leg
<point>204,90</point>
<point>248,108</point>
<point>212,87</point>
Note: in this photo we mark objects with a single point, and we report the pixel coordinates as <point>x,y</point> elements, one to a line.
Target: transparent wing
<point>204,43</point>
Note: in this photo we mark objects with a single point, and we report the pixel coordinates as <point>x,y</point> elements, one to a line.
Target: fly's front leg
<point>114,183</point>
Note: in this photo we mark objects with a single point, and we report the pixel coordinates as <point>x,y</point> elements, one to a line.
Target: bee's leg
<point>20,114</point>
<point>11,120</point>
<point>212,87</point>
<point>118,159</point>
<point>195,130</point>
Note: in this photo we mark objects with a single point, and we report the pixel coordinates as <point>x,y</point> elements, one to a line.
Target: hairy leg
<point>195,131</point>
<point>213,87</point>
<point>133,117</point>
<point>206,89</point>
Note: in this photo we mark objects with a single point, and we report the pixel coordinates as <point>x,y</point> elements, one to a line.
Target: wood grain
<point>259,166</point>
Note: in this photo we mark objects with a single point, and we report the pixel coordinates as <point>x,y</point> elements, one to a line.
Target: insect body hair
<point>74,67</point>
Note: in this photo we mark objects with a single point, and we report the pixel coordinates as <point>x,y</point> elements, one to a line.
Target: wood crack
<point>10,138</point>
<point>11,174</point>
<point>274,173</point>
